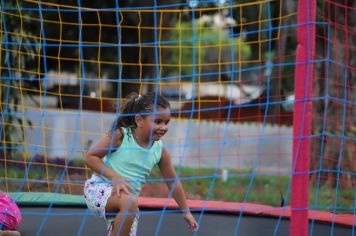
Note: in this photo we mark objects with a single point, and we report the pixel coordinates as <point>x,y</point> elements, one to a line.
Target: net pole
<point>303,87</point>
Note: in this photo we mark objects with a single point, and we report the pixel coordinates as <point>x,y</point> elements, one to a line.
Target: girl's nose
<point>164,127</point>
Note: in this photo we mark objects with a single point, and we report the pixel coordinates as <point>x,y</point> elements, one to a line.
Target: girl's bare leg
<point>126,206</point>
<point>9,233</point>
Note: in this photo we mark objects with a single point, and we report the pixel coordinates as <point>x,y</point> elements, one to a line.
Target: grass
<point>239,187</point>
<point>273,190</point>
<point>200,183</point>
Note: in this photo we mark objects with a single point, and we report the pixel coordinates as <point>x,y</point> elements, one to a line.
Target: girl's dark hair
<point>137,104</point>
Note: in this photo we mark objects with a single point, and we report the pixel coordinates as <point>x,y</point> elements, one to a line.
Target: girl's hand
<point>192,224</point>
<point>120,185</point>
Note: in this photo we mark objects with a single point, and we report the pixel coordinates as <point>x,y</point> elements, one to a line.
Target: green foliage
<point>202,48</point>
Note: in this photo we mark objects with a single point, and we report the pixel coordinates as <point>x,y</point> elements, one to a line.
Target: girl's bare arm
<point>93,159</point>
<point>168,172</point>
<point>170,176</point>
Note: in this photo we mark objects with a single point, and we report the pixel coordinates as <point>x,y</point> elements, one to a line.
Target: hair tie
<point>138,98</point>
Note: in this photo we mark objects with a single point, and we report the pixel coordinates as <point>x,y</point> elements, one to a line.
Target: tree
<point>111,39</point>
<point>18,51</point>
<point>212,46</point>
<point>122,44</point>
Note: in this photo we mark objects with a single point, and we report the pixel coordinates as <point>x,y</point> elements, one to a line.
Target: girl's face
<point>157,122</point>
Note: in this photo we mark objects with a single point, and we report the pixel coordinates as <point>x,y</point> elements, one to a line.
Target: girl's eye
<point>161,121</point>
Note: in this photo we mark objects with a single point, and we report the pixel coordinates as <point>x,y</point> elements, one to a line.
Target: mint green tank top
<point>134,162</point>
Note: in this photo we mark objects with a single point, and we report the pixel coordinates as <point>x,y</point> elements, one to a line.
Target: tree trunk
<point>332,152</point>
<point>143,60</point>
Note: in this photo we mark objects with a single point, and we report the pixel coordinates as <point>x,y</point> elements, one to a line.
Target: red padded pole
<point>303,88</point>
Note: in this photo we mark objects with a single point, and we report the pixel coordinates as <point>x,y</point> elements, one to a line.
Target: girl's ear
<point>138,121</point>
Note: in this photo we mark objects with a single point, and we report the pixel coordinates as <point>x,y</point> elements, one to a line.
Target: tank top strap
<point>126,134</point>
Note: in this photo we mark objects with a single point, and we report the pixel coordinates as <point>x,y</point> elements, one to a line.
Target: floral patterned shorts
<point>96,194</point>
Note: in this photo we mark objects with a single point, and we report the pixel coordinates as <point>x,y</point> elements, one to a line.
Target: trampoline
<point>63,214</point>
<point>73,221</point>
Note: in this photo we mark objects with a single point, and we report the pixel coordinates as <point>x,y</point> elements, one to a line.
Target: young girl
<point>124,158</point>
<point>10,216</point>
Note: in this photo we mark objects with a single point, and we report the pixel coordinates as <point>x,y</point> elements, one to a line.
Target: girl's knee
<point>127,202</point>
<point>131,202</point>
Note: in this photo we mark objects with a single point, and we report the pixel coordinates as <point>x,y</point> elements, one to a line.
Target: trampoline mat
<point>61,221</point>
